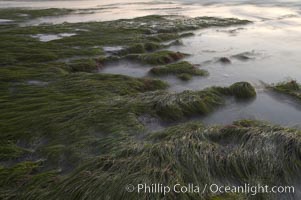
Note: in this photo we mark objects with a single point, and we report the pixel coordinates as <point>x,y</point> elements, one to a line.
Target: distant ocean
<point>256,2</point>
<point>80,3</point>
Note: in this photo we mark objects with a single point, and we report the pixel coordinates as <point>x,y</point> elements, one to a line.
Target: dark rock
<point>224,60</point>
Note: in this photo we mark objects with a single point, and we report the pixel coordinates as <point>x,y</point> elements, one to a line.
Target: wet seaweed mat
<point>190,153</point>
<point>70,132</point>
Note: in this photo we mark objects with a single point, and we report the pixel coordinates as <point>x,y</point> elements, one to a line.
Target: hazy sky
<point>93,3</point>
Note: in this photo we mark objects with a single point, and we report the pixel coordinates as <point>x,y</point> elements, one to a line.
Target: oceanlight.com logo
<point>211,188</point>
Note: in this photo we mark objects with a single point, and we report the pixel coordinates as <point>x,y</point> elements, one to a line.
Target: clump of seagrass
<point>240,90</point>
<point>158,57</point>
<point>183,70</point>
<point>85,65</point>
<point>245,152</point>
<point>175,106</point>
<point>185,76</point>
<point>292,88</point>
<point>141,48</point>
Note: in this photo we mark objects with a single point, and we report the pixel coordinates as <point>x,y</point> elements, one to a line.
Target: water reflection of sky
<point>118,9</point>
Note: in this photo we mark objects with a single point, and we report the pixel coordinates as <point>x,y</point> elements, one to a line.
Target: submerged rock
<point>245,56</point>
<point>242,57</point>
<point>224,60</point>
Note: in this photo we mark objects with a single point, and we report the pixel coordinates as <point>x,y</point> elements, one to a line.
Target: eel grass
<point>69,133</point>
<point>183,70</point>
<point>158,57</point>
<point>240,90</point>
<point>65,123</point>
<point>246,151</point>
<point>139,35</point>
<point>291,88</point>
